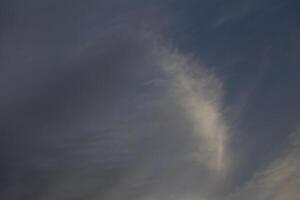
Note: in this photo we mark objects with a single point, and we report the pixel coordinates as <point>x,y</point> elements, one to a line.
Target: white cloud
<point>199,93</point>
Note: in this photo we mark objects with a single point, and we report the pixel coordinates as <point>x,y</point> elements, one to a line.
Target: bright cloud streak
<point>199,93</point>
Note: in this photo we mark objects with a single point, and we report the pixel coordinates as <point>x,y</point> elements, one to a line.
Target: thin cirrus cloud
<point>194,96</point>
<point>280,180</point>
<point>199,92</point>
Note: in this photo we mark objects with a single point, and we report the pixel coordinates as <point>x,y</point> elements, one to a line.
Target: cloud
<point>98,106</point>
<point>125,117</point>
<point>280,180</point>
<point>199,93</point>
<point>190,155</point>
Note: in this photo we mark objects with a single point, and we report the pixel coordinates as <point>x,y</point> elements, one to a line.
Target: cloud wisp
<point>197,168</point>
<point>185,129</point>
<point>199,92</point>
<point>280,180</point>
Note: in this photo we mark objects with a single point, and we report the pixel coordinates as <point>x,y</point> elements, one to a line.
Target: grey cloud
<point>101,122</point>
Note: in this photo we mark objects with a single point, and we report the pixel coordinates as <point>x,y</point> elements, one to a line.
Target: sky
<point>149,100</point>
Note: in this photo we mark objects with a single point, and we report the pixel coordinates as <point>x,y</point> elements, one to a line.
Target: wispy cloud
<point>188,134</point>
<point>278,181</point>
<point>199,92</point>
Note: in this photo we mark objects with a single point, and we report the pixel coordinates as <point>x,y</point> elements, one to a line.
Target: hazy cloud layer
<point>138,100</point>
